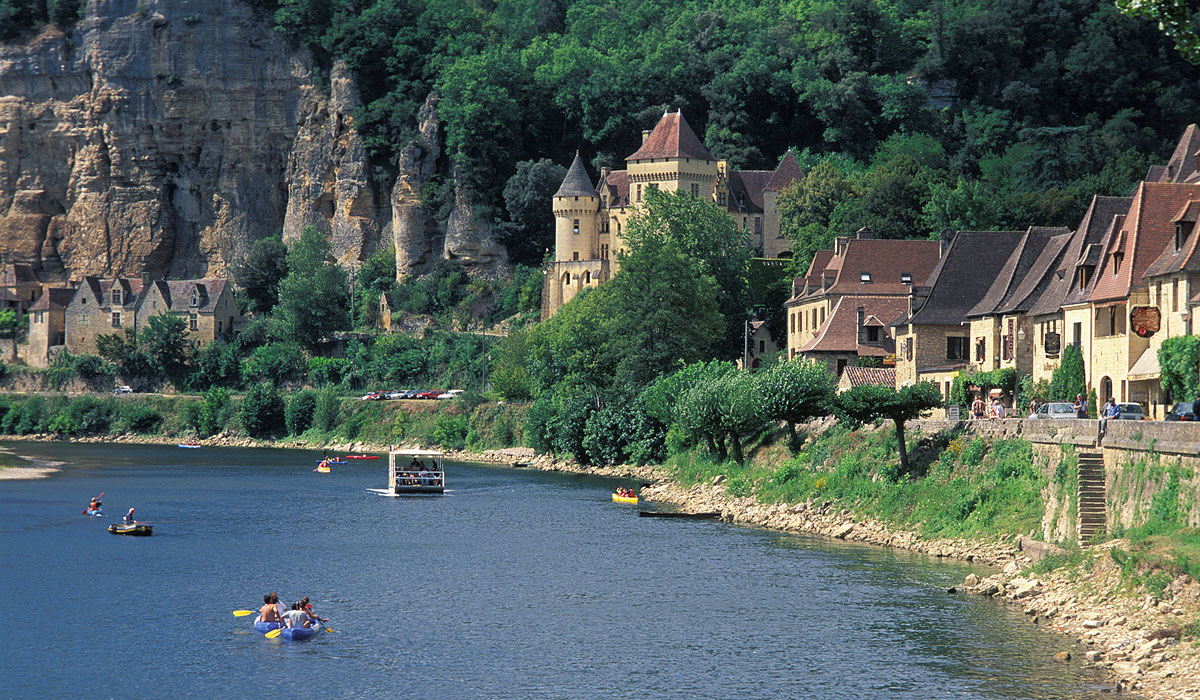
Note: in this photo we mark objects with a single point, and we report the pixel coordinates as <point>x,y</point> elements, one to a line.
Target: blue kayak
<point>297,634</point>
<point>97,513</point>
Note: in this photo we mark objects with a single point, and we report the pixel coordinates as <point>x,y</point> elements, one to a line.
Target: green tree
<point>262,411</point>
<point>529,231</point>
<point>1174,18</point>
<point>314,296</point>
<point>796,391</point>
<point>260,274</point>
<point>214,412</point>
<point>740,409</point>
<point>165,341</point>
<point>872,401</point>
<point>298,416</point>
<point>11,323</point>
<point>1067,381</point>
<point>806,207</point>
<point>1179,362</point>
<point>277,362</point>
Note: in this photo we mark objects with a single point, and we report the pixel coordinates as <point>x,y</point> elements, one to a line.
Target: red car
<point>430,394</point>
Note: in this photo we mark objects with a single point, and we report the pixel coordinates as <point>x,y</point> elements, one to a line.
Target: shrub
<point>214,412</point>
<point>275,362</point>
<point>326,371</point>
<point>262,411</point>
<point>299,414</point>
<point>325,413</point>
<point>136,417</point>
<point>451,431</point>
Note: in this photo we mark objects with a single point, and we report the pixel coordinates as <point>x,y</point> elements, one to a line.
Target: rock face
<point>154,139</point>
<point>328,176</point>
<point>166,136</point>
<point>414,230</point>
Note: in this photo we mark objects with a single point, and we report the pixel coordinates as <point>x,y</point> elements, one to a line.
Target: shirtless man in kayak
<point>268,612</point>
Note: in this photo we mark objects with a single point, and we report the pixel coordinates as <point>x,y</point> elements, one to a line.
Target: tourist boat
<point>625,499</point>
<point>362,456</point>
<point>135,530</point>
<point>293,634</point>
<point>406,478</point>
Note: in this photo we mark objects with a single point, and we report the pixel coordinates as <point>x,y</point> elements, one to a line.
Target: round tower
<point>576,203</point>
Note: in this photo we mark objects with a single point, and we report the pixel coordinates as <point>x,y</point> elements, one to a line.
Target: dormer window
<point>116,295</point>
<point>1182,229</point>
<point>195,298</point>
<point>1117,259</point>
<point>905,278</point>
<point>1083,278</point>
<point>864,277</point>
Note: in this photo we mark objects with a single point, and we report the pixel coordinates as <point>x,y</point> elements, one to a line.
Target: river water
<point>515,584</point>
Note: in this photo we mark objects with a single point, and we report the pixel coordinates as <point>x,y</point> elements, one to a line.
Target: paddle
<point>243,613</point>
<point>275,633</point>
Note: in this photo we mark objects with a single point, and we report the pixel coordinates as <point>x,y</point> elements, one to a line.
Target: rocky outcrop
<point>329,177</point>
<point>469,239</point>
<point>153,139</point>
<point>414,231</point>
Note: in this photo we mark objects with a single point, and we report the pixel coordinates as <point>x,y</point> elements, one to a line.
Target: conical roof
<point>672,138</point>
<point>788,172</point>
<point>576,183</point>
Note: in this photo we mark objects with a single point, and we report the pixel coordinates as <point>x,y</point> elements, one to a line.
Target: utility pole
<point>746,344</point>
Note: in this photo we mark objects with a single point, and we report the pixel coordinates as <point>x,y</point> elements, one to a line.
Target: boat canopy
<point>419,453</point>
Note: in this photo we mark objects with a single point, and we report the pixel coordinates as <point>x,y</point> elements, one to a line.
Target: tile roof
<point>1041,275</point>
<point>617,183</point>
<point>53,299</point>
<point>1181,166</point>
<point>178,293</point>
<point>1188,255</point>
<point>747,186</point>
<point>1015,270</point>
<point>812,278</point>
<point>672,137</point>
<point>1145,233</point>
<point>864,376</point>
<point>839,332</point>
<point>964,274</point>
<point>15,274</point>
<point>576,183</point>
<point>1087,238</point>
<point>884,260</point>
<point>788,172</point>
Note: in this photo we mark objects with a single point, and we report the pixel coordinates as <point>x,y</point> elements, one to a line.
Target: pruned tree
<point>867,403</point>
<point>796,391</point>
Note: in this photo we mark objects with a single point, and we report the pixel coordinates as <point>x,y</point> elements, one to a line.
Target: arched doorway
<point>1105,390</point>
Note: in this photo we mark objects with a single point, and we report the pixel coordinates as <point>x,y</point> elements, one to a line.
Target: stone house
<point>591,218</point>
<point>933,338</point>
<point>869,270</point>
<point>19,286</point>
<point>206,304</point>
<point>858,326</point>
<point>758,346</point>
<point>99,307</point>
<point>47,326</point>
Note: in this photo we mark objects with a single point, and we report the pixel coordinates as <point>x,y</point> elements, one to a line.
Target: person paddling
<point>95,504</point>
<point>268,612</point>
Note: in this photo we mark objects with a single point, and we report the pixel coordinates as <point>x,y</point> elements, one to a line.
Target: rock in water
<point>1063,656</point>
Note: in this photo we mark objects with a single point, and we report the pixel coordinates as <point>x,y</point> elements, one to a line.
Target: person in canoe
<point>128,519</point>
<point>297,617</point>
<point>269,612</point>
<point>95,504</point>
<point>308,608</point>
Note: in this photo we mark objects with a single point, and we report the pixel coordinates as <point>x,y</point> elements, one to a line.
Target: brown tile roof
<point>1084,245</point>
<point>576,183</point>
<point>17,274</point>
<point>1016,269</point>
<point>178,293</point>
<point>747,188</point>
<point>1041,275</point>
<point>864,376</point>
<point>1188,255</point>
<point>617,184</point>
<point>839,332</point>
<point>53,299</point>
<point>788,172</point>
<point>964,274</point>
<point>884,260</point>
<point>1181,166</point>
<point>131,289</point>
<point>1145,233</point>
<point>813,277</point>
<point>672,137</point>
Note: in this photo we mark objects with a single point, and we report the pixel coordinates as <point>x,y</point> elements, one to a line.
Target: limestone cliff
<point>166,136</point>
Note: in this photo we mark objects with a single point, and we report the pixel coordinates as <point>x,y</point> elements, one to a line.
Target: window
<point>864,277</point>
<point>873,334</point>
<point>980,349</point>
<point>721,198</point>
<point>639,193</point>
<point>908,348</point>
<point>575,227</point>
<point>758,225</point>
<point>1077,334</point>
<point>41,316</point>
<point>1175,296</point>
<point>575,255</point>
<point>905,278</point>
<point>1117,258</point>
<point>1158,300</point>
<point>116,295</point>
<point>195,299</point>
<point>116,319</point>
<point>1083,278</point>
<point>793,322</point>
<point>822,315</point>
<point>219,329</point>
<point>587,276</point>
<point>841,367</point>
<point>193,322</point>
<point>956,348</point>
<point>695,189</point>
<point>604,251</point>
<point>762,346</point>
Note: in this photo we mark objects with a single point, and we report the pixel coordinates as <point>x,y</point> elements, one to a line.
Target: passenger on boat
<point>308,608</point>
<point>280,608</point>
<point>268,612</point>
<point>129,518</point>
<point>297,617</point>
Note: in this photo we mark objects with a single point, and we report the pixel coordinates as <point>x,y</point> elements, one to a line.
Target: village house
<point>19,286</point>
<point>47,326</point>
<point>843,308</point>
<point>126,304</point>
<point>759,346</point>
<point>933,338</point>
<point>590,219</point>
<point>866,376</point>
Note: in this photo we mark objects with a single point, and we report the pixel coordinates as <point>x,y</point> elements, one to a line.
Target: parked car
<point>412,393</point>
<point>123,389</point>
<point>431,394</point>
<point>1054,410</point>
<point>396,394</point>
<point>373,396</point>
<point>1182,411</point>
<point>453,393</point>
<point>1132,411</point>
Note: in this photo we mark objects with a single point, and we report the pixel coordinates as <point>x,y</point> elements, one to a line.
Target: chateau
<point>589,219</point>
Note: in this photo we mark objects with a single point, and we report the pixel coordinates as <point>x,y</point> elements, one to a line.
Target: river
<point>515,584</point>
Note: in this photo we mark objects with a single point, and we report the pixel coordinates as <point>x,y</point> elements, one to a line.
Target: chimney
<point>645,135</point>
<point>944,242</point>
<point>862,313</point>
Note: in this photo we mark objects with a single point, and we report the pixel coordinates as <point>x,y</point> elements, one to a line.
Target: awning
<point>996,393</point>
<point>1146,366</point>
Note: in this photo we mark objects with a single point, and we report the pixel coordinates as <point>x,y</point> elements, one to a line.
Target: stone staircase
<point>1092,517</point>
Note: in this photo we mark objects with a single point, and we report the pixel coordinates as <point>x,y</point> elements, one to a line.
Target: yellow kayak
<point>624,499</point>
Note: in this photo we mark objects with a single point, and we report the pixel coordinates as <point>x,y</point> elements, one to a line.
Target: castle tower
<point>576,204</point>
<point>673,159</point>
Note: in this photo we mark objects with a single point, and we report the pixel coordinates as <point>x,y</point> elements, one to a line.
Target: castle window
<point>758,225</point>
<point>575,255</point>
<point>639,193</point>
<point>587,276</point>
<point>695,189</point>
<point>575,228</point>
<point>721,198</point>
<point>116,319</point>
<point>193,322</point>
